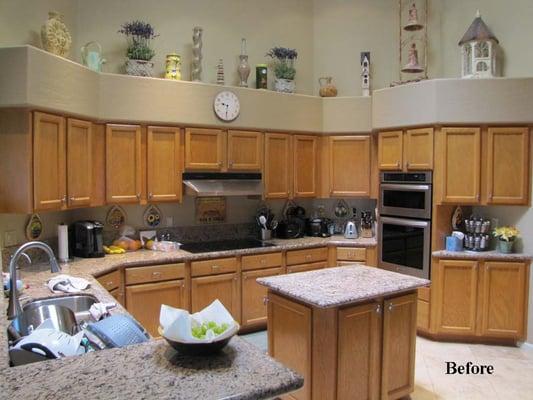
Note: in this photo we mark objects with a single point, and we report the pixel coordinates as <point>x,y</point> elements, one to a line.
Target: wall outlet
<point>10,238</point>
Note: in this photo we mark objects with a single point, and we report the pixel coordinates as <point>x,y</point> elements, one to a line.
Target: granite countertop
<point>334,287</point>
<point>152,369</point>
<point>482,255</point>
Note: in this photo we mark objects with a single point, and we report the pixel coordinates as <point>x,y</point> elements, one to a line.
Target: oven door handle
<point>404,222</point>
<point>394,186</point>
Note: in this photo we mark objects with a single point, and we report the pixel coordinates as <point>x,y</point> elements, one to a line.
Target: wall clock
<point>227,106</point>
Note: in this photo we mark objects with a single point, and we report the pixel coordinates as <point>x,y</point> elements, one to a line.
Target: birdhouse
<point>365,73</point>
<point>479,51</point>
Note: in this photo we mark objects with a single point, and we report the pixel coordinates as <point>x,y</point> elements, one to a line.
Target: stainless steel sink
<point>79,304</point>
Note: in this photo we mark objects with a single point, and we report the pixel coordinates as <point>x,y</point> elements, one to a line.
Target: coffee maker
<point>86,239</point>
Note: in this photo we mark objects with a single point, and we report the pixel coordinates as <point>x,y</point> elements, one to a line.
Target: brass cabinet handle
<point>265,300</point>
<point>390,307</point>
<point>220,163</point>
<point>150,195</point>
<point>156,274</point>
<point>263,261</point>
<point>378,309</point>
<point>64,199</point>
<point>235,279</point>
<point>397,164</point>
<point>138,195</point>
<point>308,257</point>
<point>72,198</point>
<point>215,267</point>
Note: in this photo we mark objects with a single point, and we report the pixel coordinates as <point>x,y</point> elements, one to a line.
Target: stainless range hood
<point>210,184</point>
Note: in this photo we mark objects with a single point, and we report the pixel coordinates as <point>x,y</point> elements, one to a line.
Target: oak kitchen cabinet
<point>507,165</point>
<point>164,164</point>
<point>218,150</point>
<point>411,150</point>
<point>123,163</point>
<point>62,164</point>
<point>305,167</point>
<point>147,288</point>
<point>349,166</point>
<point>480,298</point>
<point>216,279</point>
<point>356,255</point>
<point>278,166</point>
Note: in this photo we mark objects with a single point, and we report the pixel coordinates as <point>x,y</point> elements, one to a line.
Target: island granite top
<point>334,287</point>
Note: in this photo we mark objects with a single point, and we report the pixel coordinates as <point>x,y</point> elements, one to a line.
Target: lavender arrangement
<point>139,35</point>
<point>283,62</point>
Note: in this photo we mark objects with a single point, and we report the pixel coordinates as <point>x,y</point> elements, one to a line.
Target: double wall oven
<point>405,222</point>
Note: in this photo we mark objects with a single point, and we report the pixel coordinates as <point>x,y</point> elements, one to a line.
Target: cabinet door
<point>460,150</point>
<point>49,166</point>
<point>204,149</point>
<point>123,163</point>
<point>277,174</point>
<point>254,311</point>
<point>305,166</point>
<point>359,345</point>
<point>508,166</point>
<point>349,168</point>
<point>144,301</point>
<point>79,162</point>
<point>418,149</point>
<point>390,150</point>
<point>245,151</point>
<point>456,286</point>
<point>223,287</point>
<point>399,342</point>
<point>163,164</point>
<point>503,299</point>
<point>290,339</point>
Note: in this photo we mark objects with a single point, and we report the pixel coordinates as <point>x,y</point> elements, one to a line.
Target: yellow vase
<point>173,67</point>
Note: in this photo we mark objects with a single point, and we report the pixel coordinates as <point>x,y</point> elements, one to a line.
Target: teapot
<point>91,56</point>
<point>327,88</point>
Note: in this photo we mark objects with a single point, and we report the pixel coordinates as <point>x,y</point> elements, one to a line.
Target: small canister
<point>173,67</point>
<point>261,81</point>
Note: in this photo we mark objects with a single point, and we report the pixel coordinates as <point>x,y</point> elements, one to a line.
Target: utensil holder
<point>266,234</point>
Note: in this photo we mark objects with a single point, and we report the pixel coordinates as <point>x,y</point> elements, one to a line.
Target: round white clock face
<point>227,106</point>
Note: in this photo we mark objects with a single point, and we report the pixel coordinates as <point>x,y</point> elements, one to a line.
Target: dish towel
<point>67,284</point>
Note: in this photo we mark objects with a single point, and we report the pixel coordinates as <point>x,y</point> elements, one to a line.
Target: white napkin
<point>67,284</point>
<point>177,324</point>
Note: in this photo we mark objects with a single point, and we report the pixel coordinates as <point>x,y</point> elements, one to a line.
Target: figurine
<point>196,70</point>
<point>413,15</point>
<point>220,72</point>
<point>412,61</point>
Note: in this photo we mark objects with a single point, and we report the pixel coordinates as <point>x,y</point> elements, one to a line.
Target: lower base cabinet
<point>144,301</point>
<point>254,311</point>
<point>372,354</point>
<point>306,267</point>
<point>474,299</point>
<point>225,287</point>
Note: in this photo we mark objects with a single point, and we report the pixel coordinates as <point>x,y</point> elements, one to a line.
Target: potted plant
<point>283,64</point>
<point>506,238</point>
<point>139,35</point>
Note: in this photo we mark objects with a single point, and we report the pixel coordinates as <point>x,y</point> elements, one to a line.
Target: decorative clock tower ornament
<point>365,73</point>
<point>220,72</point>
<point>479,51</point>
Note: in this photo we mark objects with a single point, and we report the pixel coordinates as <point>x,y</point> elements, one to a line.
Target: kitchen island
<point>350,331</point>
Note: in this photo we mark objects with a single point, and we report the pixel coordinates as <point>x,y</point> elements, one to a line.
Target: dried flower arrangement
<point>139,34</point>
<point>283,62</point>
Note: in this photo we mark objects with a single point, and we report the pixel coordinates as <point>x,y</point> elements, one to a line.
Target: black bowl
<point>196,349</point>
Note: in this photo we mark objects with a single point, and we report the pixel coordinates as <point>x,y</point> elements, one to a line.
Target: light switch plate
<point>10,238</point>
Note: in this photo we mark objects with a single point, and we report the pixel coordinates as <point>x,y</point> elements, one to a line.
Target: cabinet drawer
<point>110,281</point>
<point>156,273</point>
<point>351,254</point>
<point>306,267</point>
<point>349,263</point>
<point>261,261</point>
<point>307,256</point>
<point>216,266</point>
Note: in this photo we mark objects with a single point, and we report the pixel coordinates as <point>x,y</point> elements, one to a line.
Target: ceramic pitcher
<point>91,56</point>
<point>327,88</point>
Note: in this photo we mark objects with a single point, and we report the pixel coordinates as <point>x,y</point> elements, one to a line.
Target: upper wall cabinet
<point>164,164</point>
<point>215,150</point>
<point>204,149</point>
<point>123,164</point>
<point>49,166</point>
<point>277,173</point>
<point>245,151</point>
<point>409,151</point>
<point>79,162</point>
<point>459,170</point>
<point>305,165</point>
<point>349,166</point>
<point>507,166</point>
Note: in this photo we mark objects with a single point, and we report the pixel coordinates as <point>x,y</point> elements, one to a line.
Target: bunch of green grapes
<point>200,331</point>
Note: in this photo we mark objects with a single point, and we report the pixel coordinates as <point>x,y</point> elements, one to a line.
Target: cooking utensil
<point>263,221</point>
<point>118,331</point>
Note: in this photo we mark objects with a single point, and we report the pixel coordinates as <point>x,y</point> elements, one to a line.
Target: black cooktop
<point>223,245</point>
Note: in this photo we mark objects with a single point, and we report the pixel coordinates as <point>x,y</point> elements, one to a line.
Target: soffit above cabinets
<point>33,78</point>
